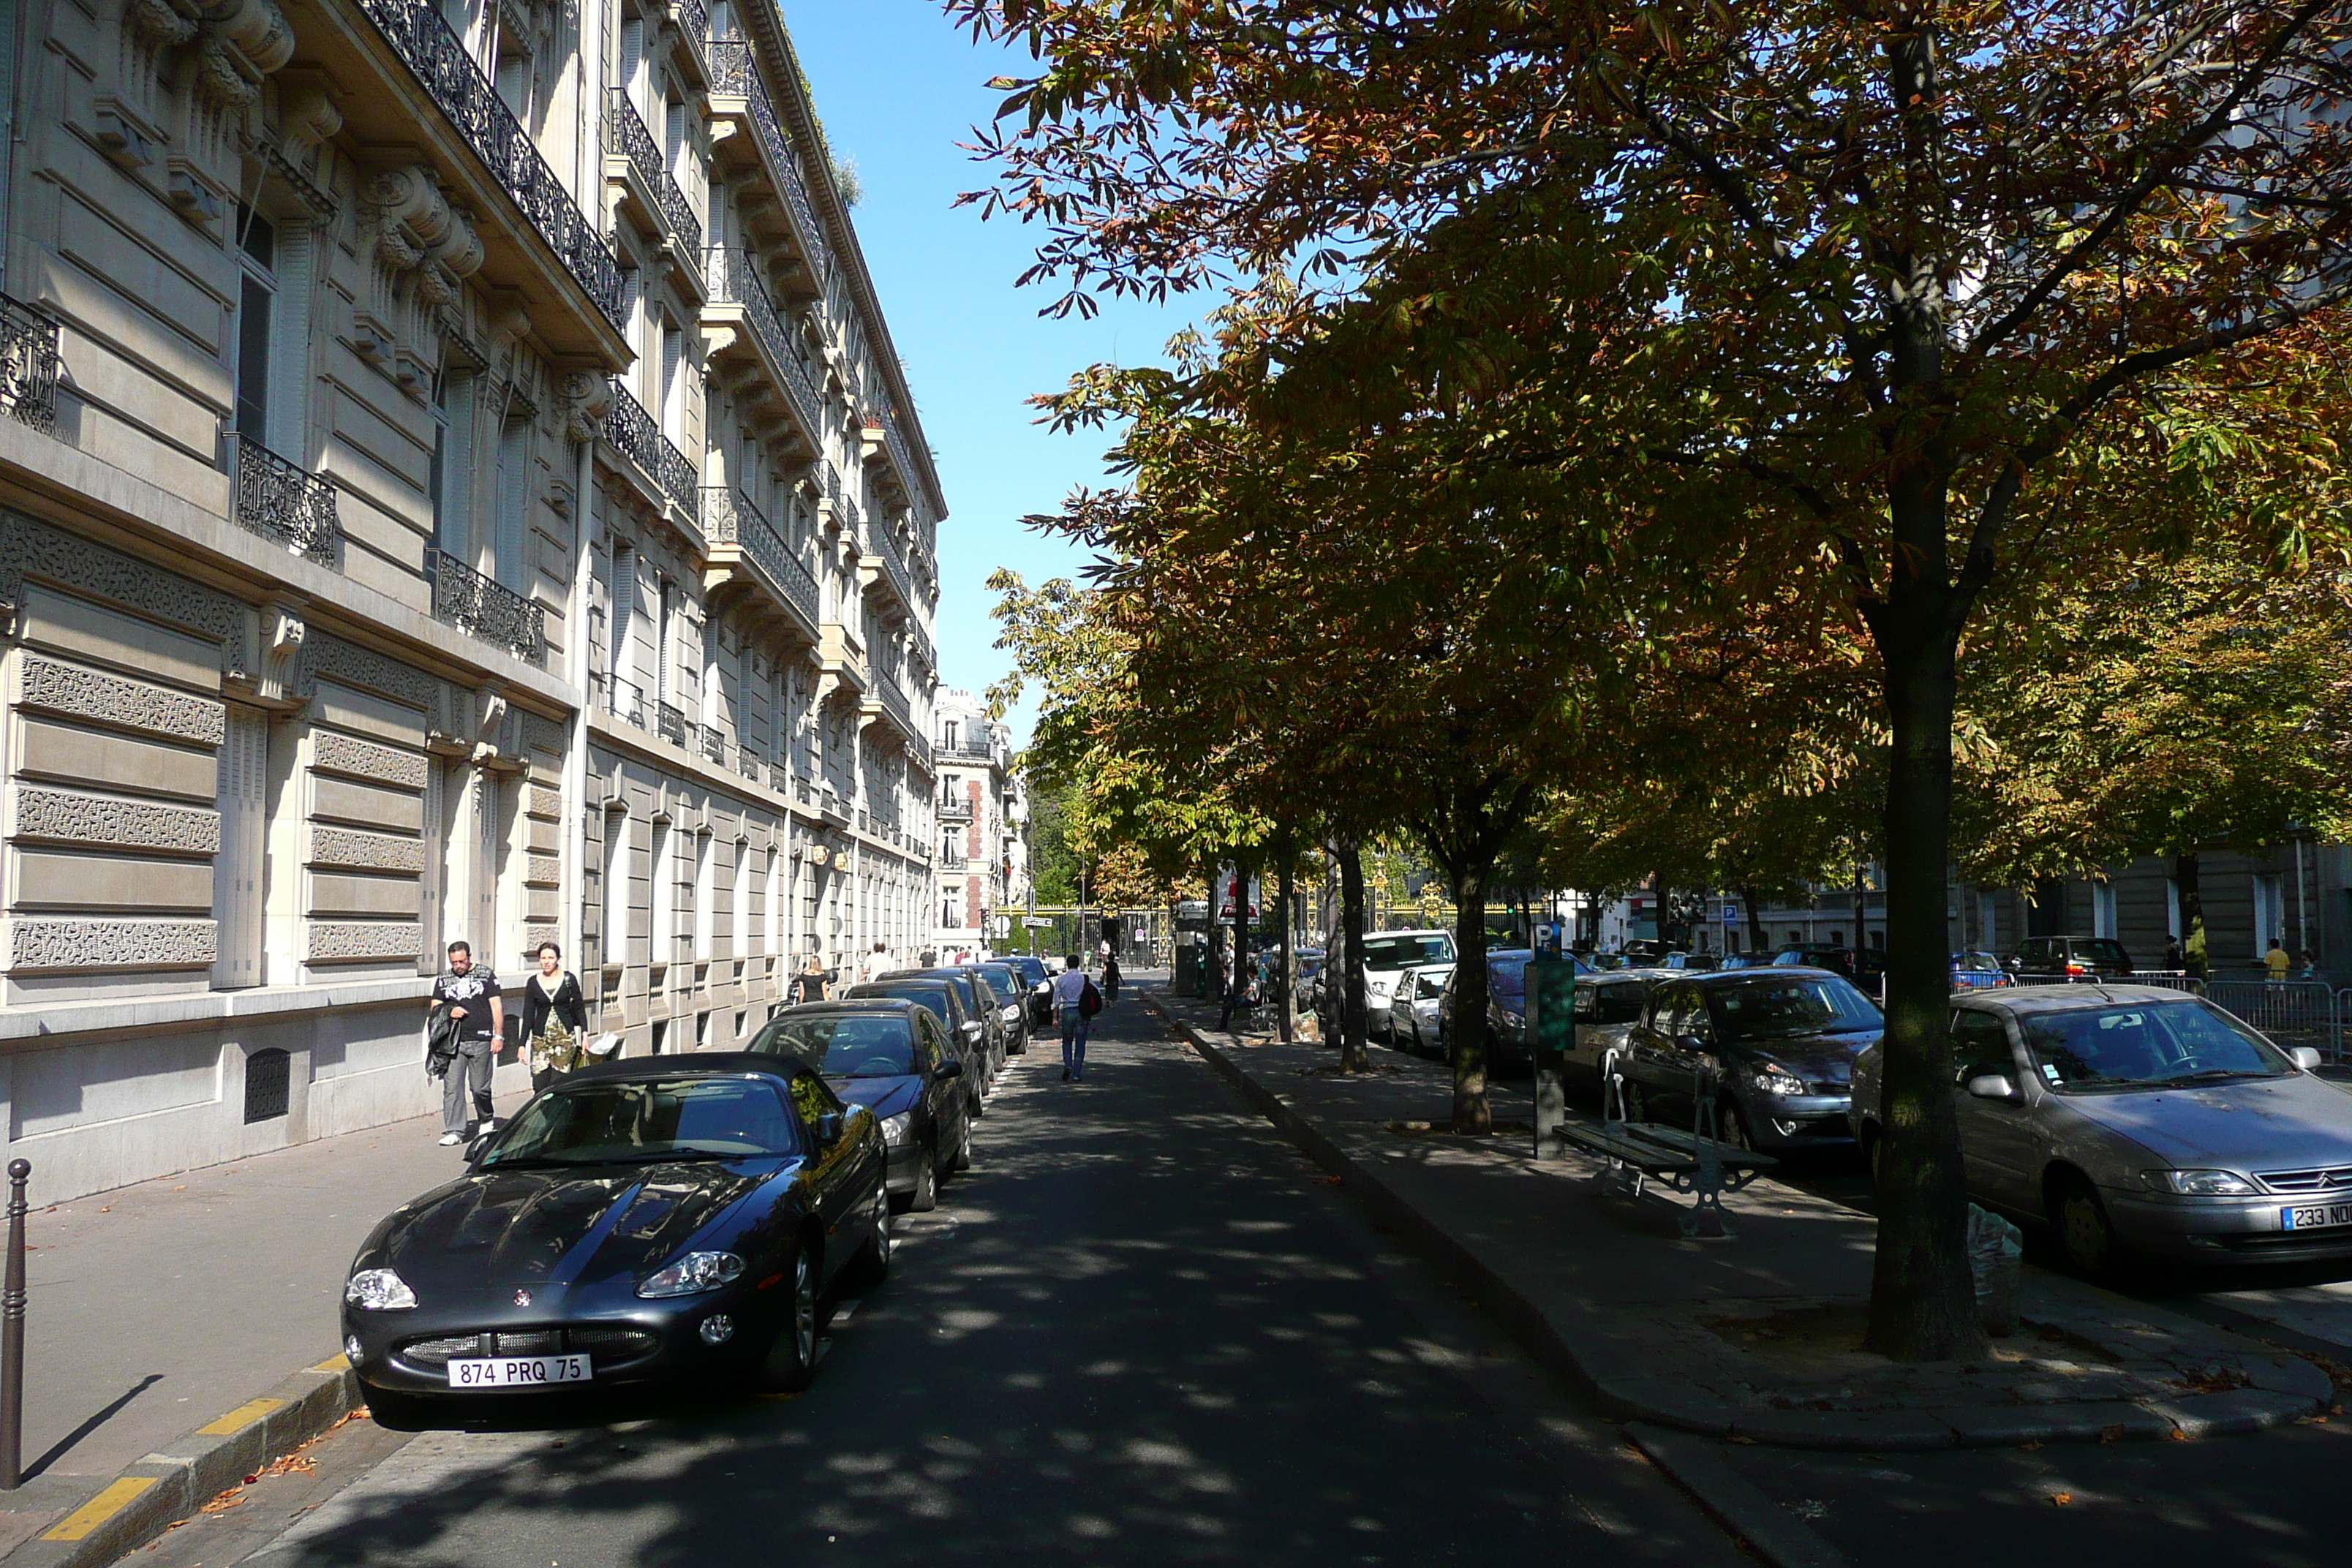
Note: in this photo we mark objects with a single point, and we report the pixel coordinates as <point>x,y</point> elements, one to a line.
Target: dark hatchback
<point>1012,988</point>
<point>1781,1044</point>
<point>2070,958</point>
<point>966,1037</point>
<point>662,1220</point>
<point>1864,967</point>
<point>979,1000</point>
<point>1040,983</point>
<point>893,1058</point>
<point>1507,1008</point>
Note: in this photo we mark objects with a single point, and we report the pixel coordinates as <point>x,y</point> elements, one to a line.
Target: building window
<point>2270,912</point>
<point>664,893</point>
<point>257,292</point>
<point>612,929</point>
<point>2103,909</point>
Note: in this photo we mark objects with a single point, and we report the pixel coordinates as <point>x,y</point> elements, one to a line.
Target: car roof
<point>851,1004</point>
<point>2069,998</point>
<point>696,1064</point>
<point>1417,930</point>
<point>1770,972</point>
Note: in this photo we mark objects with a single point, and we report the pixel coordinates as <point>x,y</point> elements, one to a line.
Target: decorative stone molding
<point>333,752</point>
<point>536,931</point>
<point>365,851</point>
<point>542,872</point>
<point>29,548</point>
<point>540,734</point>
<point>278,674</point>
<point>489,715</point>
<point>414,225</point>
<point>111,944</point>
<point>81,693</point>
<point>118,824</point>
<point>245,41</point>
<point>323,654</point>
<point>543,803</point>
<point>348,941</point>
<point>586,399</point>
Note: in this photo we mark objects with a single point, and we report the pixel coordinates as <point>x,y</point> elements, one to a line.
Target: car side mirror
<point>2305,1058</point>
<point>479,1147</point>
<point>1994,1086</point>
<point>948,1069</point>
<point>828,1127</point>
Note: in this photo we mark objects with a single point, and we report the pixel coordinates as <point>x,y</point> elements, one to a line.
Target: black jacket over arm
<point>566,1005</point>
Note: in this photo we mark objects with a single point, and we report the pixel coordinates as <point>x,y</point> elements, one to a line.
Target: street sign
<point>1731,914</point>
<point>1039,922</point>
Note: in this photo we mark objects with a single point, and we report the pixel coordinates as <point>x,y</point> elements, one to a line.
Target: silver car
<point>2139,1121</point>
<point>1608,1006</point>
<point>1412,1006</point>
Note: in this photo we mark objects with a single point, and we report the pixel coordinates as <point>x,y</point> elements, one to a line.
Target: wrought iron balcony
<point>749,764</point>
<point>714,744</point>
<point>955,808</point>
<point>887,552</point>
<point>734,71</point>
<point>894,700</point>
<point>464,598</point>
<point>446,69</point>
<point>625,128</point>
<point>886,421</point>
<point>803,792</point>
<point>729,517</point>
<point>670,721</point>
<point>634,435</point>
<point>624,699</point>
<point>29,365</point>
<point>735,280</point>
<point>284,503</point>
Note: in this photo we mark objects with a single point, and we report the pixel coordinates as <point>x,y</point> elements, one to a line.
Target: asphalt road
<point>1142,1330</point>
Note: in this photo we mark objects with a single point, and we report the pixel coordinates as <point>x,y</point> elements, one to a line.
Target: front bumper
<point>1794,1123</point>
<point>905,1160</point>
<point>2221,1231</point>
<point>656,1342</point>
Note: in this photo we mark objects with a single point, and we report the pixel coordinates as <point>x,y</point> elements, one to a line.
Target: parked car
<point>1412,1005</point>
<point>1866,967</point>
<point>893,1058</point>
<point>660,1220</point>
<point>1977,972</point>
<point>1507,1009</point>
<point>1742,961</point>
<point>965,1036</point>
<point>1040,980</point>
<point>1695,962</point>
<point>1387,955</point>
<point>1781,1043</point>
<point>2070,958</point>
<point>1607,1007</point>
<point>980,1004</point>
<point>2138,1120</point>
<point>1012,988</point>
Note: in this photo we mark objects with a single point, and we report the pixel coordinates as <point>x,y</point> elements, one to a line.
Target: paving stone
<point>2087,1422</point>
<point>2239,1410</point>
<point>2290,1374</point>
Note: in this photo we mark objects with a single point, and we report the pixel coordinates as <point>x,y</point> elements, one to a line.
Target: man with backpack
<point>1075,1003</point>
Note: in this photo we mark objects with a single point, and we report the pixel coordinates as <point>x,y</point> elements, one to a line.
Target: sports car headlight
<point>379,1290</point>
<point>1779,1081</point>
<point>2200,1183</point>
<point>696,1271</point>
<point>897,1130</point>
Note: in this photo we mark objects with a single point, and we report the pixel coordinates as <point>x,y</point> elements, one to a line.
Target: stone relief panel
<point>534,932</point>
<point>27,546</point>
<point>543,803</point>
<point>542,872</point>
<point>349,942</point>
<point>128,704</point>
<point>334,753</point>
<point>111,944</point>
<point>365,851</point>
<point>323,654</point>
<point>121,824</point>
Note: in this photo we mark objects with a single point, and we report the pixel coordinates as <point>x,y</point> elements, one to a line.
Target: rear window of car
<point>843,1046</point>
<point>1508,978</point>
<point>2101,950</point>
<point>1387,953</point>
<point>1622,1003</point>
<point>929,997</point>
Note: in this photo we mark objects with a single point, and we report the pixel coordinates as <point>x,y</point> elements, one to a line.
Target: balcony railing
<point>749,764</point>
<point>284,503</point>
<point>626,128</point>
<point>955,808</point>
<point>624,699</point>
<point>729,517</point>
<point>636,436</point>
<point>29,365</point>
<point>714,744</point>
<point>735,280</point>
<point>474,604</point>
<point>670,721</point>
<point>883,420</point>
<point>803,792</point>
<point>887,552</point>
<point>894,700</point>
<point>733,70</point>
<point>444,68</point>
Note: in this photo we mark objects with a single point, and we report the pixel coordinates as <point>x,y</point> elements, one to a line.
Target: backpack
<point>1089,1001</point>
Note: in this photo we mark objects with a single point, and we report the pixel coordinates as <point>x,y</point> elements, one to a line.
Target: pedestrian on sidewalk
<point>2277,961</point>
<point>554,1018</point>
<point>2173,961</point>
<point>1075,1003</point>
<point>808,985</point>
<point>1237,998</point>
<point>878,963</point>
<point>467,1005</point>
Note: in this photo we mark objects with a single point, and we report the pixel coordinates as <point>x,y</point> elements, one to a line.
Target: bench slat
<point>1681,1142</point>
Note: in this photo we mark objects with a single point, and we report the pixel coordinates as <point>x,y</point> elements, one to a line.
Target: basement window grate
<point>266,1084</point>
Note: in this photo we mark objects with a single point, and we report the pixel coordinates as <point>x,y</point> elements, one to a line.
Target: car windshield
<point>2146,1045</point>
<point>843,1045</point>
<point>1508,978</point>
<point>1769,1009</point>
<point>1033,970</point>
<point>607,1123</point>
<point>964,989</point>
<point>1005,981</point>
<point>1391,953</point>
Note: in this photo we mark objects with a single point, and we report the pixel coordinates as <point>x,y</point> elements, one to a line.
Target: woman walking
<point>554,1018</point>
<point>808,985</point>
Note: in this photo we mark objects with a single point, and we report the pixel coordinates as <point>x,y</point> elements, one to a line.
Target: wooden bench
<point>1635,1153</point>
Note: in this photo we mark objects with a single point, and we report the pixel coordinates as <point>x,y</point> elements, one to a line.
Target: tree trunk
<point>2196,954</point>
<point>1861,915</point>
<point>1473,1110</point>
<point>1289,958</point>
<point>1355,1054</point>
<point>1755,908</point>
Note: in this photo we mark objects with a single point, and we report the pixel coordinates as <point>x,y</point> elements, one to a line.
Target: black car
<point>893,1058</point>
<point>1040,981</point>
<point>1780,1043</point>
<point>945,998</point>
<point>1012,988</point>
<point>1507,1008</point>
<point>1865,968</point>
<point>2070,958</point>
<point>662,1220</point>
<point>980,1008</point>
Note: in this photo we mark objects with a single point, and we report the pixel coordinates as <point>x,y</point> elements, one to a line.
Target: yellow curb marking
<point>338,1362</point>
<point>239,1420</point>
<point>99,1508</point>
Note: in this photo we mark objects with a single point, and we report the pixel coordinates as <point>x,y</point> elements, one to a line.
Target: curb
<point>1643,1397</point>
<point>91,1520</point>
<point>1732,1501</point>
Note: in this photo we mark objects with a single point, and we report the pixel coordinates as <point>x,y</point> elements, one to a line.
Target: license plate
<point>519,1371</point>
<point>2314,1216</point>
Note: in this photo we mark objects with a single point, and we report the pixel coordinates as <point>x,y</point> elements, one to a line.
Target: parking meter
<point>1551,1029</point>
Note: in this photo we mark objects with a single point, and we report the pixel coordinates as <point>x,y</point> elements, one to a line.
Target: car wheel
<point>2084,1233</point>
<point>1731,1127</point>
<point>963,1147</point>
<point>873,1259</point>
<point>927,1182</point>
<point>1873,1156</point>
<point>791,1362</point>
<point>398,1412</point>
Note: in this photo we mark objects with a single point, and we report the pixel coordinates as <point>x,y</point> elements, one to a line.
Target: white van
<point>1387,955</point>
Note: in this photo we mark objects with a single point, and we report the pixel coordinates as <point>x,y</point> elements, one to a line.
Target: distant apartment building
<point>457,482</point>
<point>982,813</point>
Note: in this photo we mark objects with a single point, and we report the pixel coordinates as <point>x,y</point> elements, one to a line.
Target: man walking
<point>469,1017</point>
<point>1070,990</point>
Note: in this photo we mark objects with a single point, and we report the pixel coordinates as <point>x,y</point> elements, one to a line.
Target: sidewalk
<point>1752,1337</point>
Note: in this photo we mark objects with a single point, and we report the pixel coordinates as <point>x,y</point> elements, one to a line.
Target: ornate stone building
<point>455,480</point>
<point>984,864</point>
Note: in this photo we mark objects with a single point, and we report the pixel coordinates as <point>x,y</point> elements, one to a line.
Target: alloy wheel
<point>2083,1232</point>
<point>927,1180</point>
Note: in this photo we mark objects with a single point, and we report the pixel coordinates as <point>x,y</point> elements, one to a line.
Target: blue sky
<point>898,89</point>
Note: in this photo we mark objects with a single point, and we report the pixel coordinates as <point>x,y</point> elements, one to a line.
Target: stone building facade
<point>983,815</point>
<point>455,480</point>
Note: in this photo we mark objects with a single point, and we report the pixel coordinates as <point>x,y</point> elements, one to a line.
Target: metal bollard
<point>12,1336</point>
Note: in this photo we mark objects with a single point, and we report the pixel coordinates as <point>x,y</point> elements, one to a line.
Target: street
<point>1142,1327</point>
